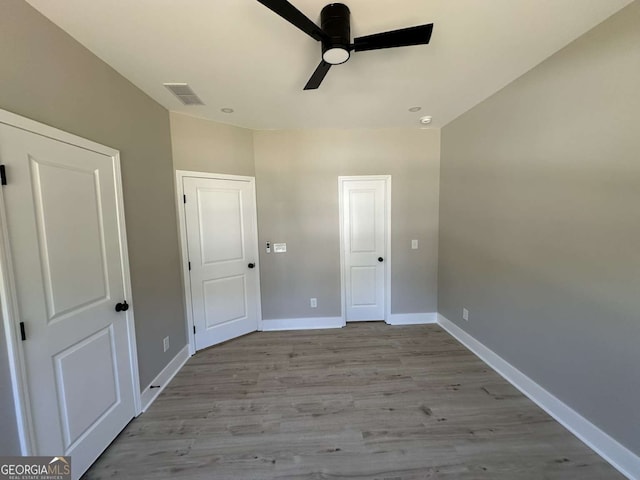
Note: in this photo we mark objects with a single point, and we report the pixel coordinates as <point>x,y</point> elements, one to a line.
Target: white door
<point>61,205</point>
<point>223,254</point>
<point>364,234</point>
<point>364,213</point>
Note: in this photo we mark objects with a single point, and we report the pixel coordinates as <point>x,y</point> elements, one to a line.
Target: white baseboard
<point>164,377</point>
<point>312,323</point>
<point>620,457</point>
<point>412,318</point>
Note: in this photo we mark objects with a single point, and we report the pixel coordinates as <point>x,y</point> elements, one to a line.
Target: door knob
<point>251,265</point>
<point>122,307</point>
<point>380,259</point>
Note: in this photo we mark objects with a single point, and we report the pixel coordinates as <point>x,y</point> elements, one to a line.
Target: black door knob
<point>380,259</point>
<point>122,307</point>
<point>251,265</point>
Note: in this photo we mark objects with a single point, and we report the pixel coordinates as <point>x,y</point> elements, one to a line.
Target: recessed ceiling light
<point>226,110</point>
<point>426,120</point>
<point>415,109</point>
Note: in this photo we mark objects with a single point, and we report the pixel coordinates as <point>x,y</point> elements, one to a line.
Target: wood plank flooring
<point>369,401</point>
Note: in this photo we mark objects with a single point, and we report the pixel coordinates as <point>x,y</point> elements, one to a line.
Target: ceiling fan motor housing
<point>335,22</point>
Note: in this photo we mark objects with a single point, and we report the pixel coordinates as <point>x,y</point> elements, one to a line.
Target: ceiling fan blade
<point>420,35</point>
<point>294,16</point>
<point>317,77</point>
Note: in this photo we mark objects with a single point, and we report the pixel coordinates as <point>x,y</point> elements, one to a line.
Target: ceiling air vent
<point>184,93</point>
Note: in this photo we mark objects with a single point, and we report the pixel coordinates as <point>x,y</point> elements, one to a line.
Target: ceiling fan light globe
<point>335,56</point>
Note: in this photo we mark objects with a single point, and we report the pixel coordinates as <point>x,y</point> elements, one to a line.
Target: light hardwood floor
<point>368,401</point>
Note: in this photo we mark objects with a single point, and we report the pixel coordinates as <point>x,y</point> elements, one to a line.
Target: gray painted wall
<point>540,224</point>
<point>49,77</point>
<point>205,146</point>
<point>297,188</point>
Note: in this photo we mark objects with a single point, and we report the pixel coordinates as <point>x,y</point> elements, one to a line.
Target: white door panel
<point>234,307</point>
<point>73,278</point>
<point>364,286</point>
<point>362,221</point>
<point>364,215</point>
<point>220,210</point>
<point>62,218</point>
<point>74,381</point>
<point>222,242</point>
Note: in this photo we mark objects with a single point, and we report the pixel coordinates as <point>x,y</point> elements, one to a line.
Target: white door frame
<point>8,298</point>
<point>387,253</point>
<point>184,250</point>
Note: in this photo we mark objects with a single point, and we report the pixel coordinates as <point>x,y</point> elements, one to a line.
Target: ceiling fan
<point>335,35</point>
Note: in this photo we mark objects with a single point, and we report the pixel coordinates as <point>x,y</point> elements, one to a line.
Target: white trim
<point>32,126</point>
<point>164,378</point>
<point>311,323</point>
<point>184,251</point>
<point>126,278</point>
<point>621,458</point>
<point>219,176</point>
<point>15,350</point>
<point>412,318</point>
<point>387,254</point>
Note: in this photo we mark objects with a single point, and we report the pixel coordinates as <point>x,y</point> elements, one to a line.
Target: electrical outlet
<point>465,314</point>
<point>165,343</point>
<point>313,302</point>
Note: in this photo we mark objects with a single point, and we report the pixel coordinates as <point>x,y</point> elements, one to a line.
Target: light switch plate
<point>280,247</point>
<point>414,244</point>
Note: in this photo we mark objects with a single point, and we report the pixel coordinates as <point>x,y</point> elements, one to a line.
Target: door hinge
<point>23,333</point>
<point>184,198</point>
<point>189,266</point>
<point>194,329</point>
<point>3,175</point>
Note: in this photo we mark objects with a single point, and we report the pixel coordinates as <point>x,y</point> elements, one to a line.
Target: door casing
<point>15,350</point>
<point>184,251</point>
<point>387,254</point>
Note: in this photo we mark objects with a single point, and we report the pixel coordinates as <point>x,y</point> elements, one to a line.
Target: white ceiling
<point>239,54</point>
